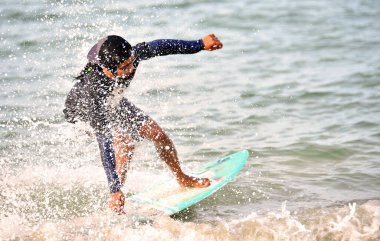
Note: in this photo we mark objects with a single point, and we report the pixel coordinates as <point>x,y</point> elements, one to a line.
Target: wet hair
<point>114,51</point>
<point>108,52</point>
<point>88,69</point>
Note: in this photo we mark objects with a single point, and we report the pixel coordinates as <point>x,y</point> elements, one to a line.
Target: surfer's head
<point>110,52</point>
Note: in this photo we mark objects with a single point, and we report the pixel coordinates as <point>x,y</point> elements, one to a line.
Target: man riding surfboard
<point>118,124</point>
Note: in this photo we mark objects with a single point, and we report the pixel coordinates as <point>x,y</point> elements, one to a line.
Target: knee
<point>152,131</point>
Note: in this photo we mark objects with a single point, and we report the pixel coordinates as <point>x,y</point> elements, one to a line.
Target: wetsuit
<point>94,99</point>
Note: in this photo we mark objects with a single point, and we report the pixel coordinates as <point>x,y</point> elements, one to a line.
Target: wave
<point>341,222</point>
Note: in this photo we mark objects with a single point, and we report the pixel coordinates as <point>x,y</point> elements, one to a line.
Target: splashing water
<point>296,84</point>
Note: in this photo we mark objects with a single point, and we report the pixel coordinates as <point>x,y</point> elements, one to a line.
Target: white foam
<point>349,222</point>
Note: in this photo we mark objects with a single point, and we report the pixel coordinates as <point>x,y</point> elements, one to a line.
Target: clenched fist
<point>211,42</point>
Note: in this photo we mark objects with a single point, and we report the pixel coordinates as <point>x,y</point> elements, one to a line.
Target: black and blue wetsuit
<point>92,100</point>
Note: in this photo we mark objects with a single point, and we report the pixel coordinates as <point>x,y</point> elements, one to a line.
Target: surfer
<point>118,124</point>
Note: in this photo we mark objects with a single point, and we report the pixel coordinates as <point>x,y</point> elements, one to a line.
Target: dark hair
<point>88,69</point>
<point>108,52</point>
<point>114,51</point>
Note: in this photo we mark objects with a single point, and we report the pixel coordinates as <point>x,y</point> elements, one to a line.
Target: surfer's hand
<point>116,202</point>
<point>211,42</point>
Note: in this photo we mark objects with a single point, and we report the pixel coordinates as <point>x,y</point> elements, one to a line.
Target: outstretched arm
<point>163,47</point>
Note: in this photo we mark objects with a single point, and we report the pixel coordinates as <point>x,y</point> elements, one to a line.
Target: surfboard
<point>168,197</point>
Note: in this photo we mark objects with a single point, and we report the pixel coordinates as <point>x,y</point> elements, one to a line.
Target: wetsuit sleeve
<point>161,47</point>
<point>109,161</point>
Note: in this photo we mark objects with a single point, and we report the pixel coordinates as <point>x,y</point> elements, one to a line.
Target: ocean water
<point>297,84</point>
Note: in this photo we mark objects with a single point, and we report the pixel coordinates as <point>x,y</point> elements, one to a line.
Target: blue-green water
<point>297,84</point>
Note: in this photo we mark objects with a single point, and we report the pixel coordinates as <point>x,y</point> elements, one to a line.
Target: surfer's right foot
<point>188,181</point>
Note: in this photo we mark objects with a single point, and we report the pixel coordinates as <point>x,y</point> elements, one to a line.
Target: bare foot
<point>188,181</point>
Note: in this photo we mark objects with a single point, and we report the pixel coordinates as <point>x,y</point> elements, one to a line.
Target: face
<point>126,68</point>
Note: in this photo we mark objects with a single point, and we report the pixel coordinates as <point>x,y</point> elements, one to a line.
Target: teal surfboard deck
<point>168,197</point>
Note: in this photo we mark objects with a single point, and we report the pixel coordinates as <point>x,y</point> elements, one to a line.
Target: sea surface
<point>297,84</point>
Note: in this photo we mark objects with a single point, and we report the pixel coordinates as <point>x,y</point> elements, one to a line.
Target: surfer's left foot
<point>188,181</point>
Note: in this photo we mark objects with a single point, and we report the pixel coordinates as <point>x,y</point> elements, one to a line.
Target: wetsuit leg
<point>108,159</point>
